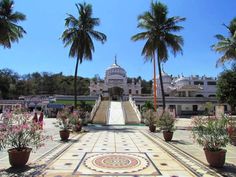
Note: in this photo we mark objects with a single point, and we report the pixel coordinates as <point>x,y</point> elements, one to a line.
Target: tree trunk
<point>75,83</point>
<point>155,83</point>
<point>161,83</point>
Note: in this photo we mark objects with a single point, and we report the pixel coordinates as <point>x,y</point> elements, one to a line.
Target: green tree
<point>159,36</point>
<point>226,88</point>
<point>226,45</point>
<point>9,30</point>
<point>78,35</point>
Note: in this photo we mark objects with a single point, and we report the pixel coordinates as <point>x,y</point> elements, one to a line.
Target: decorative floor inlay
<point>117,163</point>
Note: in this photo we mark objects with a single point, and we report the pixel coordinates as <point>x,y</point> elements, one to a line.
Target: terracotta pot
<point>64,134</point>
<point>78,128</point>
<point>215,158</point>
<point>19,158</point>
<point>152,128</point>
<point>167,135</point>
<point>232,135</point>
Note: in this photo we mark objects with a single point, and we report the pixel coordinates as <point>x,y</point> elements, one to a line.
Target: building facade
<point>115,84</point>
<point>193,86</point>
<point>185,95</point>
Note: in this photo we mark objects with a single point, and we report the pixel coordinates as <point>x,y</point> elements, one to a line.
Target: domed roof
<point>115,69</point>
<point>115,65</point>
<point>182,78</point>
<point>164,74</point>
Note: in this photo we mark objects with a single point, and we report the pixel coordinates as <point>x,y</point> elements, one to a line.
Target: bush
<point>210,132</point>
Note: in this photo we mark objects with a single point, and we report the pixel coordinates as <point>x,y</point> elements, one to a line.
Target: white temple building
<point>193,86</point>
<point>115,84</point>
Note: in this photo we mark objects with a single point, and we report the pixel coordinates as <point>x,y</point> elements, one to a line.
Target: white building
<point>193,86</point>
<point>115,84</point>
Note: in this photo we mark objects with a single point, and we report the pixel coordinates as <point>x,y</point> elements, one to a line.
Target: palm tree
<point>78,35</point>
<point>159,37</point>
<point>226,45</point>
<point>9,30</point>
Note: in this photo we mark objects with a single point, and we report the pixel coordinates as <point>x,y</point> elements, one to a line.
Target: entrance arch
<point>116,93</point>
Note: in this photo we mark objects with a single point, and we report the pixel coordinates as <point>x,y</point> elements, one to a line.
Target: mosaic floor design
<point>117,163</point>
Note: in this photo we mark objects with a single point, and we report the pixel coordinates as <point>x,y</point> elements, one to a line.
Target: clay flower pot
<point>64,134</point>
<point>167,135</point>
<point>152,128</point>
<point>19,158</point>
<point>78,128</point>
<point>232,135</point>
<point>215,158</point>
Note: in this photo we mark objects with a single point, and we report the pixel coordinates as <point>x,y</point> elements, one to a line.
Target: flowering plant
<point>18,131</point>
<point>166,121</point>
<point>210,132</point>
<point>63,118</point>
<point>150,116</point>
<point>75,118</point>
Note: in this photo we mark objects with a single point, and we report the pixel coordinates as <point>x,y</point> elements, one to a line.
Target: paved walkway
<point>130,151</point>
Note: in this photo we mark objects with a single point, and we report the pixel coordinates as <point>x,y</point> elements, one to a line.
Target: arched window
<point>212,95</point>
<point>199,95</point>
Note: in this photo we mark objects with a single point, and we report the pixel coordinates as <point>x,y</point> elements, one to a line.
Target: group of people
<point>38,120</point>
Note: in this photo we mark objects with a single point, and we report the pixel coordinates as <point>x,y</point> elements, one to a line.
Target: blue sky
<point>42,50</point>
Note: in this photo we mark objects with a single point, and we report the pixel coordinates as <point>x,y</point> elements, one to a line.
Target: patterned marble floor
<point>116,153</point>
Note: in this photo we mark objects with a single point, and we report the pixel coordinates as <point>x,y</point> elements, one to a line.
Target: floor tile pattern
<point>117,163</point>
<point>97,151</point>
<point>196,167</point>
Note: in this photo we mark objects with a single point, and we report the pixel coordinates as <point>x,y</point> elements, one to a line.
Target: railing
<point>124,112</point>
<point>108,113</point>
<point>132,102</point>
<point>95,108</point>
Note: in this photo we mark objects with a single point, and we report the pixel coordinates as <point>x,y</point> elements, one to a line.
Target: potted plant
<point>63,117</point>
<point>20,134</point>
<point>167,125</point>
<point>151,117</point>
<point>211,133</point>
<point>231,129</point>
<point>75,121</point>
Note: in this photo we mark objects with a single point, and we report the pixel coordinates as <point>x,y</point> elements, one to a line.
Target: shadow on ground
<point>32,171</point>
<point>229,170</point>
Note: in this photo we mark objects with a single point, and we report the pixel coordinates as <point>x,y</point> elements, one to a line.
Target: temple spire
<point>115,59</point>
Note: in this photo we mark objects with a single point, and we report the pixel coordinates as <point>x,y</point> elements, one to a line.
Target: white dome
<point>182,81</point>
<point>115,69</point>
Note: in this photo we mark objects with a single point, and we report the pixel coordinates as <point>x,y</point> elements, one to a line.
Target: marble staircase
<point>131,116</point>
<point>101,114</point>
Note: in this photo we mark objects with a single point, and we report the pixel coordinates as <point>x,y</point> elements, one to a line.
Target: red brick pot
<point>18,158</point>
<point>215,158</point>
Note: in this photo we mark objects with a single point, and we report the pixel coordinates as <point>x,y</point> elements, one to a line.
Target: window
<point>195,107</point>
<point>212,96</point>
<point>199,95</point>
<point>136,91</point>
<point>198,83</point>
<point>211,83</point>
<point>130,91</point>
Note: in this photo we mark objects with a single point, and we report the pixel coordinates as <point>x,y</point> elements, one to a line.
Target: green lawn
<point>71,102</point>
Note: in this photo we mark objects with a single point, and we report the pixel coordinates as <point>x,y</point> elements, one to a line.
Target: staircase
<point>101,114</point>
<point>131,116</point>
<point>116,116</point>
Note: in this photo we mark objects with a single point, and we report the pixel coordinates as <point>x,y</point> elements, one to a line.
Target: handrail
<point>108,112</point>
<point>95,108</point>
<point>124,112</point>
<point>132,102</point>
